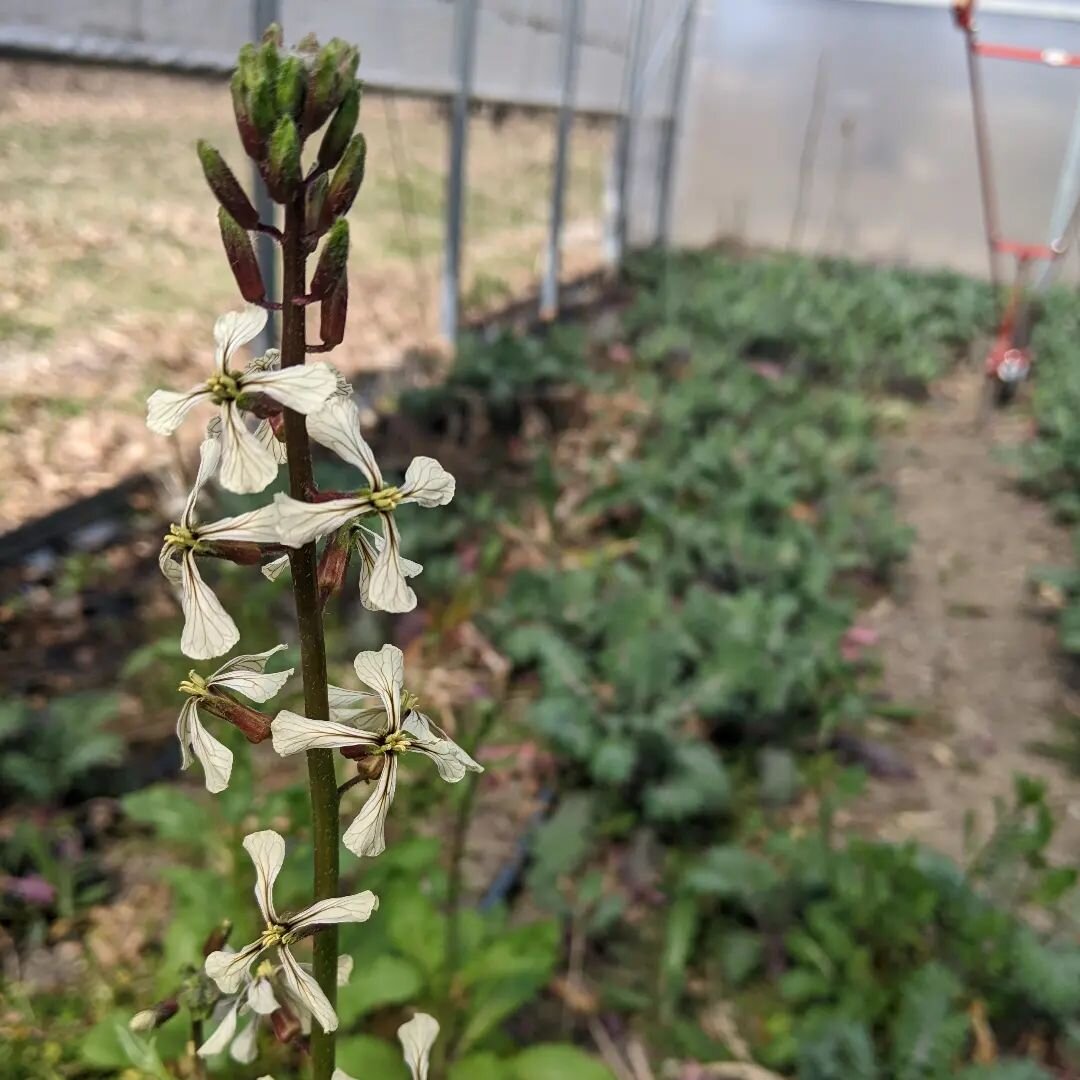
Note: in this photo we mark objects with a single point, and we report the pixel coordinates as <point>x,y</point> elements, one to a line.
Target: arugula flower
<point>246,675</point>
<point>263,992</point>
<point>394,729</point>
<point>337,427</point>
<point>230,970</point>
<point>208,628</point>
<point>417,1036</point>
<point>248,463</point>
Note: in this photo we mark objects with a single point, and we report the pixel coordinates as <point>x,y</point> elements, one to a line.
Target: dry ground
<point>113,271</point>
<point>963,639</point>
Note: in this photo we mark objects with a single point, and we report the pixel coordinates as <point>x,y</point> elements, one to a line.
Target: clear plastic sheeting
<point>859,113</point>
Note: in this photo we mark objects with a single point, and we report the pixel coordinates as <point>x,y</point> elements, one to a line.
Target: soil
<point>963,638</point>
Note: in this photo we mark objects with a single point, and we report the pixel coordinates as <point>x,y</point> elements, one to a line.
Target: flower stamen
<point>222,388</point>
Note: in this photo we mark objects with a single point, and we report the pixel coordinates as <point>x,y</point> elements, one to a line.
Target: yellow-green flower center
<point>386,499</point>
<point>396,743</point>
<point>180,536</point>
<point>272,935</point>
<point>194,685</point>
<point>264,970</point>
<point>223,388</point>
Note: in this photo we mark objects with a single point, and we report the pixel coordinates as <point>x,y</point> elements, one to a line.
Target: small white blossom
<point>337,426</point>
<point>231,970</point>
<point>208,628</point>
<point>397,728</point>
<point>248,461</point>
<point>417,1037</point>
<point>245,675</point>
<point>255,1001</point>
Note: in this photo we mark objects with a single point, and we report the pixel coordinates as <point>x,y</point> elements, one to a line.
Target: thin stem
<point>322,777</point>
<point>198,1064</point>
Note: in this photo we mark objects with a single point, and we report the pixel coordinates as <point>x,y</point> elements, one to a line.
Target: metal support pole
<point>465,18</point>
<point>265,12</point>
<point>679,83</point>
<point>568,63</point>
<point>633,98</point>
<point>1065,203</point>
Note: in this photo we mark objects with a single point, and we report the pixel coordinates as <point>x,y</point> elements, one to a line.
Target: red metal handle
<point>1049,57</point>
<point>964,14</point>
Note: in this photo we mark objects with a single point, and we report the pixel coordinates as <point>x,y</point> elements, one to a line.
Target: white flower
<point>385,732</point>
<point>230,970</point>
<point>337,426</point>
<point>417,1037</point>
<point>256,1000</point>
<point>208,629</point>
<point>248,462</point>
<point>246,675</point>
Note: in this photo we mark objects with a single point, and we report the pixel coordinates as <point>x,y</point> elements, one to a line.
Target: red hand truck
<point>1009,360</point>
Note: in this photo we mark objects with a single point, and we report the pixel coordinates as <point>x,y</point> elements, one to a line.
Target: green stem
<point>198,1064</point>
<point>322,777</point>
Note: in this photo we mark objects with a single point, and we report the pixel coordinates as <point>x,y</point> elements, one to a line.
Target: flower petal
<point>293,733</point>
<point>183,730</point>
<point>264,433</point>
<point>387,589</point>
<point>427,483</point>
<point>354,707</point>
<point>215,758</point>
<point>247,675</point>
<point>337,427</point>
<point>275,568</point>
<point>267,851</point>
<point>307,991</point>
<point>368,546</point>
<point>209,457</point>
<point>245,1047</point>
<point>169,566</point>
<point>451,761</point>
<point>222,1035</point>
<point>302,388</point>
<point>228,969</point>
<point>384,672</point>
<point>301,522</point>
<point>336,909</point>
<point>236,328</point>
<point>246,465</point>
<point>344,969</point>
<point>258,526</point>
<point>260,997</point>
<point>366,835</point>
<point>166,409</point>
<point>208,629</point>
<point>417,1037</point>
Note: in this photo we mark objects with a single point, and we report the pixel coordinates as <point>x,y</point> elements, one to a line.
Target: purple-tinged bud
<point>368,765</point>
<point>285,1023</point>
<point>314,201</point>
<point>347,178</point>
<point>217,939</point>
<point>151,1019</point>
<point>290,87</point>
<point>254,143</point>
<point>241,256</point>
<point>308,47</point>
<point>333,566</point>
<point>338,132</point>
<point>254,725</point>
<point>333,312</point>
<point>241,552</point>
<point>225,186</point>
<point>333,260</point>
<point>283,161</point>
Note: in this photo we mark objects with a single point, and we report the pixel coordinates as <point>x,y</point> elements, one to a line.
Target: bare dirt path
<point>961,638</point>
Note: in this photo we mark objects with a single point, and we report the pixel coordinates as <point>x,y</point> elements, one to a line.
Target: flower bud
<point>267,57</point>
<point>285,1023</point>
<point>333,260</point>
<point>334,71</point>
<point>247,65</point>
<point>217,938</point>
<point>151,1019</point>
<point>254,143</point>
<point>333,566</point>
<point>338,132</point>
<point>332,314</point>
<point>225,186</point>
<point>314,201</point>
<point>254,725</point>
<point>241,552</point>
<point>274,35</point>
<point>290,87</point>
<point>347,178</point>
<point>283,161</point>
<point>241,256</point>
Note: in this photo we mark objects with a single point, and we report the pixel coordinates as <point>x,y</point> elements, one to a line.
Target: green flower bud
<point>283,161</point>
<point>268,61</point>
<point>274,35</point>
<point>332,314</point>
<point>314,201</point>
<point>332,75</point>
<point>290,87</point>
<point>225,186</point>
<point>254,143</point>
<point>333,260</point>
<point>263,109</point>
<point>247,65</point>
<point>340,129</point>
<point>347,178</point>
<point>241,256</point>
